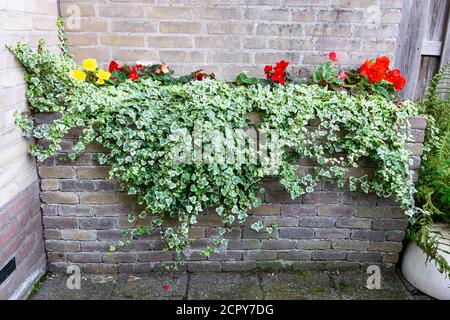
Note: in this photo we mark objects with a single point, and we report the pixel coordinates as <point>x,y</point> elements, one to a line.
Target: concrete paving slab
<point>305,285</point>
<point>92,287</point>
<point>353,286</point>
<point>224,286</point>
<point>151,287</point>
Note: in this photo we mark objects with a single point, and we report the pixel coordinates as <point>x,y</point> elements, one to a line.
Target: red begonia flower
<point>376,73</point>
<point>267,69</point>
<point>200,76</point>
<point>383,61</point>
<point>393,75</point>
<point>333,56</point>
<point>282,65</point>
<point>133,75</point>
<point>400,83</point>
<point>113,66</point>
<point>365,67</point>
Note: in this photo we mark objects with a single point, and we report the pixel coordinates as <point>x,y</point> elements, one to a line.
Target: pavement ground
<point>306,285</point>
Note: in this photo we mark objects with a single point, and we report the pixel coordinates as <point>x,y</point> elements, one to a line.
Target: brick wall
<point>84,214</point>
<point>228,36</point>
<point>20,216</point>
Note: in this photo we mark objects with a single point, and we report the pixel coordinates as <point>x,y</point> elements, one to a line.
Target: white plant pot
<point>424,275</point>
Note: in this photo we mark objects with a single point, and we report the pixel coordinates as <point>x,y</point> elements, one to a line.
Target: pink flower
<point>333,56</point>
<point>164,68</point>
<point>342,75</point>
<point>166,287</point>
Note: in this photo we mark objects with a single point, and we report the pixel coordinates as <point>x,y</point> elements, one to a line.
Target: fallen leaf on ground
<point>133,279</point>
<point>101,279</point>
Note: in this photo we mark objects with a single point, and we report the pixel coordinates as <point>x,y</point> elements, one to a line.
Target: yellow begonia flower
<point>90,64</point>
<point>78,74</point>
<point>100,81</point>
<point>104,75</point>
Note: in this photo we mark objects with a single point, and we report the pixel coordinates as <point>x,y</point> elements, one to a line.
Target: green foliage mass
<point>434,182</point>
<point>433,187</point>
<point>136,122</point>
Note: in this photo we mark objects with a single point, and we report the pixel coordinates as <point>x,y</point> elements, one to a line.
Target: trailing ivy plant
<point>140,122</point>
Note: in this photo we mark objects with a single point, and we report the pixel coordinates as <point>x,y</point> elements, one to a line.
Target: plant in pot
<point>426,259</point>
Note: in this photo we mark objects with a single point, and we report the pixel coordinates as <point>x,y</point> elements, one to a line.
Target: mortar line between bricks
<point>111,296</point>
<point>334,286</point>
<point>188,282</point>
<point>260,278</point>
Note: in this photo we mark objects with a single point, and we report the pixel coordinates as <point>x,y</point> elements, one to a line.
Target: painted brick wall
<point>228,36</point>
<point>20,215</point>
<point>84,214</point>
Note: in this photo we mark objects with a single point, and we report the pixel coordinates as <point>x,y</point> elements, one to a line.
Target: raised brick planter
<point>83,213</point>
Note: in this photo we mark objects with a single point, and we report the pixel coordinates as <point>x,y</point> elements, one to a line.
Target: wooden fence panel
<point>423,43</point>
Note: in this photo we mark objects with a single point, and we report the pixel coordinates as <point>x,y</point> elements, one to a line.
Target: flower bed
<point>179,146</point>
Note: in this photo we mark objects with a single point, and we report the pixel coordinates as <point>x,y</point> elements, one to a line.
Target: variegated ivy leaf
<point>143,215</point>
<point>257,226</point>
<point>219,210</point>
<point>222,231</point>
